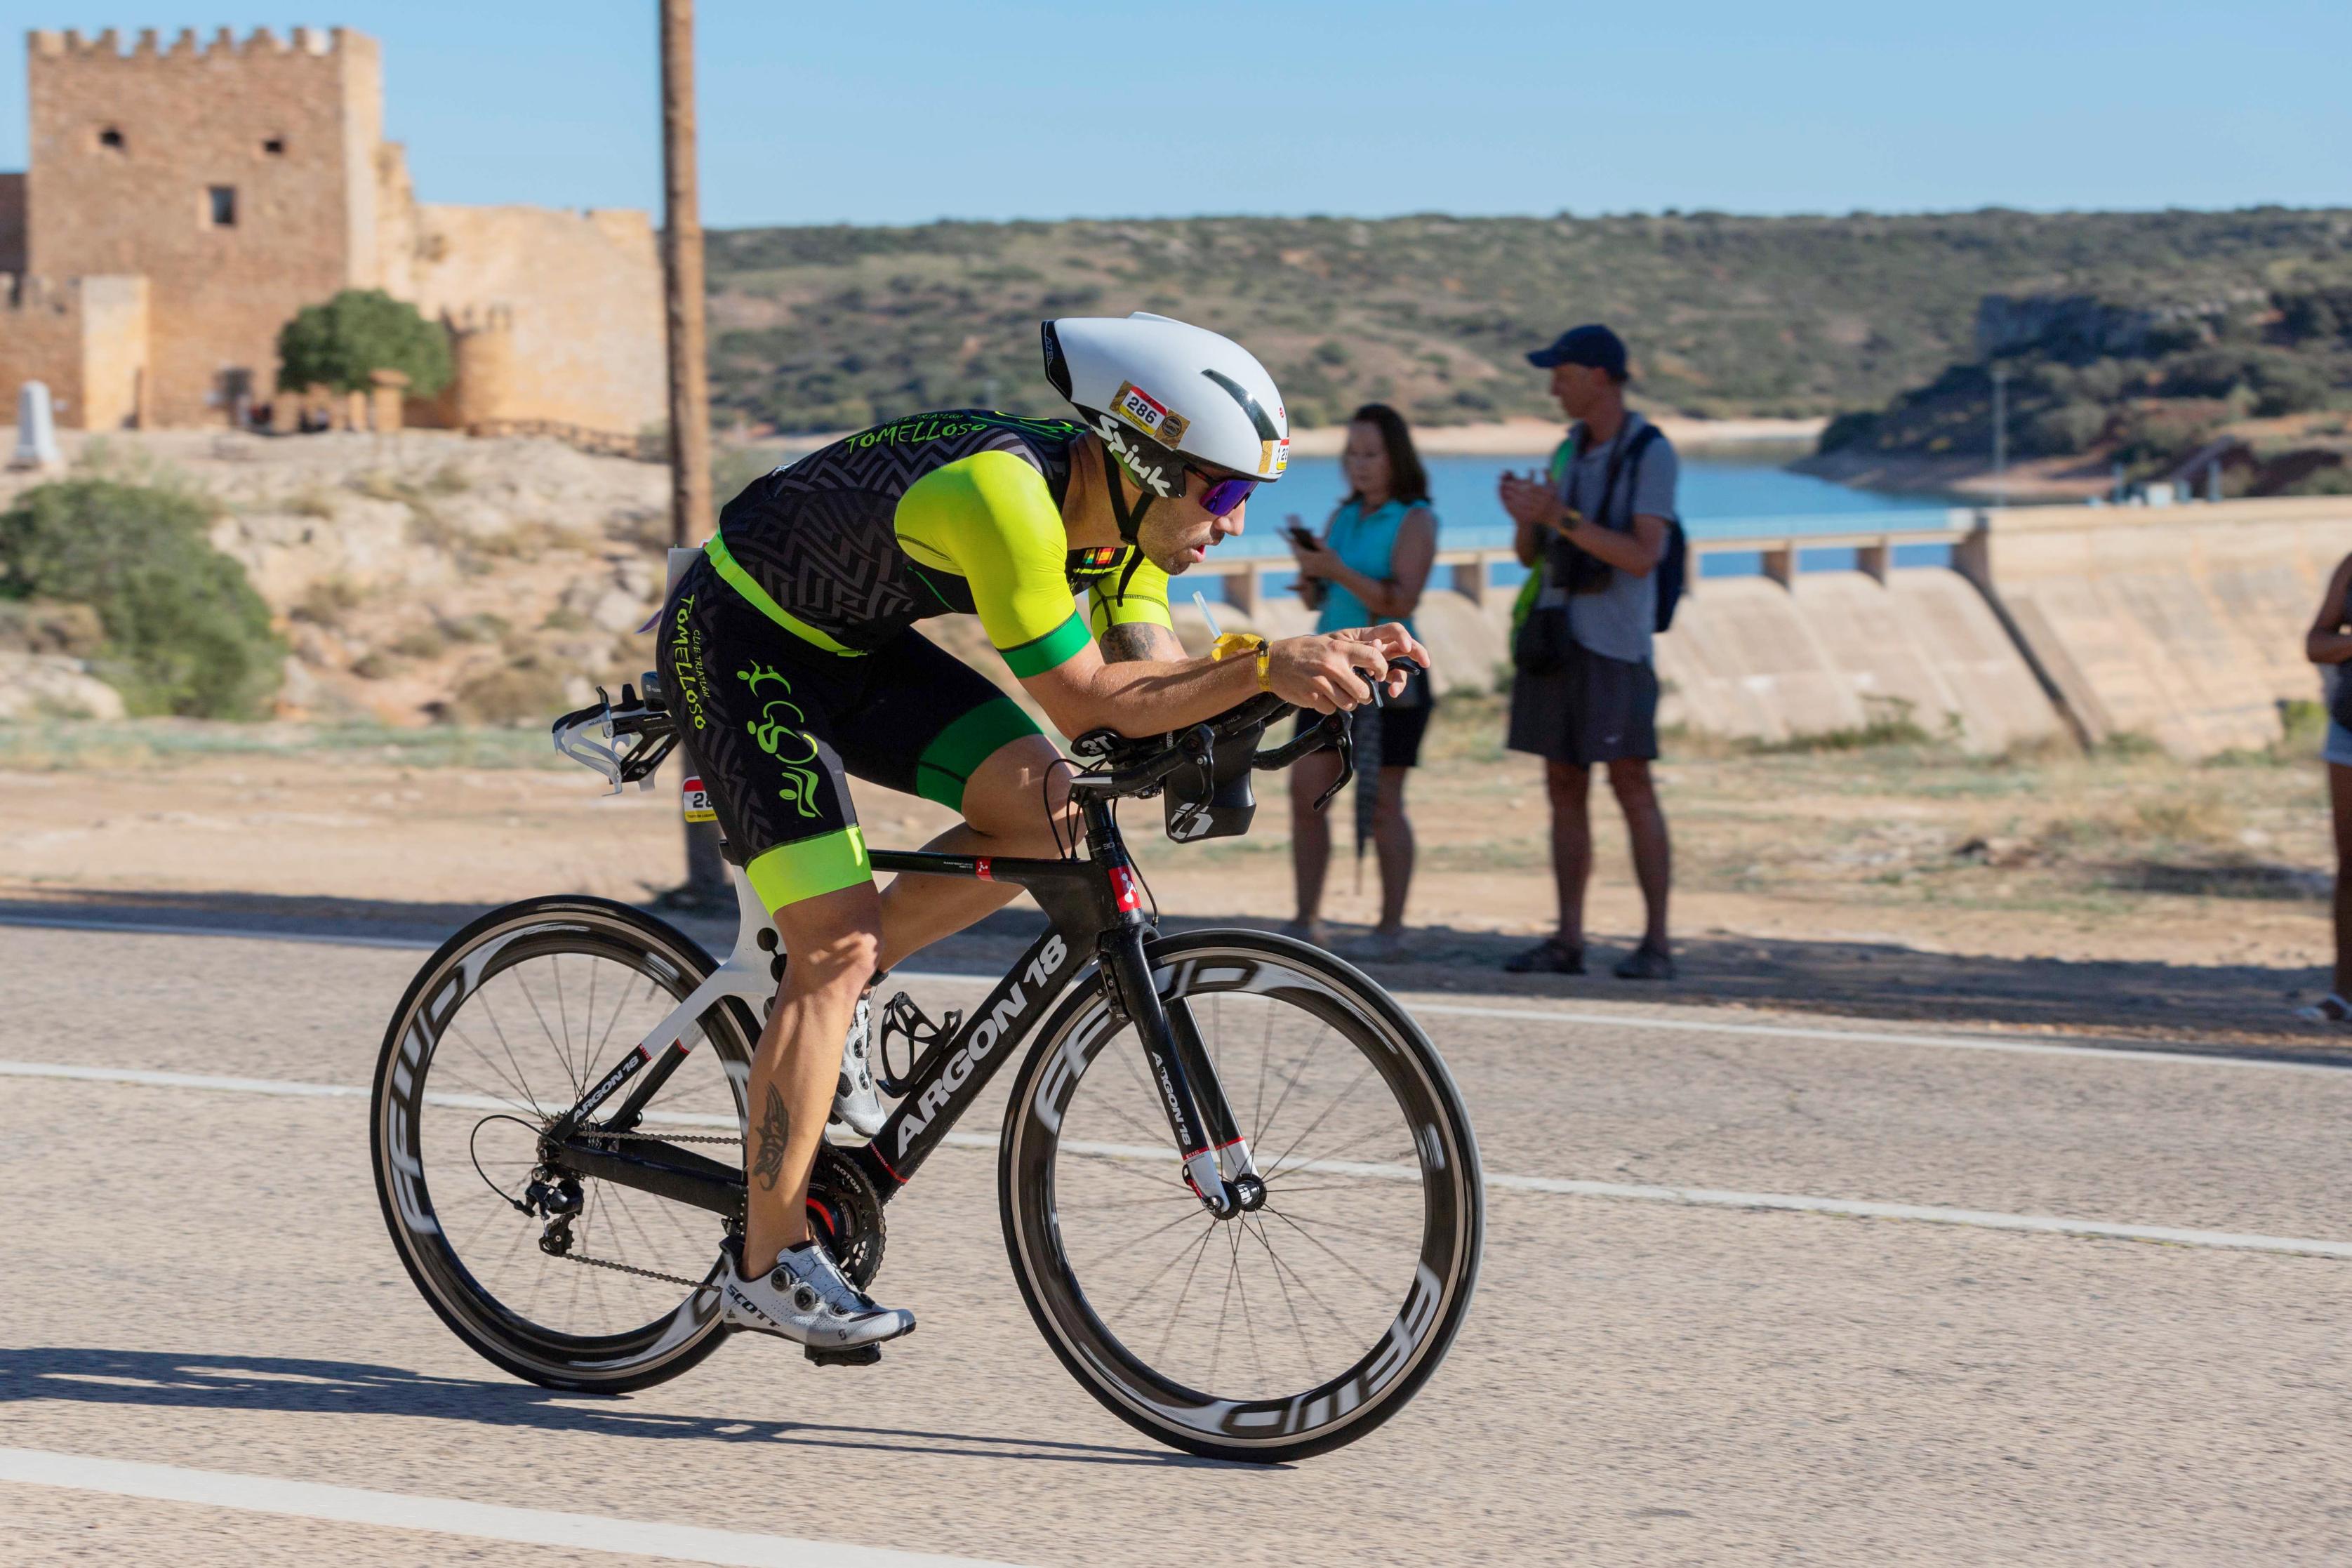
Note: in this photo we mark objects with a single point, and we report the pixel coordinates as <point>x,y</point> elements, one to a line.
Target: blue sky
<point>912,111</point>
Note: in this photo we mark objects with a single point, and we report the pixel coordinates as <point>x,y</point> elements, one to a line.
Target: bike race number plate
<point>695,801</point>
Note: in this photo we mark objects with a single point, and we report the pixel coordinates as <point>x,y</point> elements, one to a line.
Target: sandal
<point>2329,1009</point>
<point>1646,963</point>
<point>1550,956</point>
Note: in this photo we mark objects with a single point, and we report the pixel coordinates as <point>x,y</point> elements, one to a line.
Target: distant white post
<point>36,430</point>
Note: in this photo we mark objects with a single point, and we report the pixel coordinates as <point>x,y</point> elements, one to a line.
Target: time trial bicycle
<point>1238,1187</point>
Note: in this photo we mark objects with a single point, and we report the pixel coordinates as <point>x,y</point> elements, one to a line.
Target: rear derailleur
<point>559,1200</point>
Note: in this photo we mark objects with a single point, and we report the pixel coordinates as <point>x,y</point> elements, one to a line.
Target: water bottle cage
<point>902,1016</point>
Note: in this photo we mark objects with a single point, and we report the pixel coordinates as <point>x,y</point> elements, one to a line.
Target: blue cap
<point>1592,344</point>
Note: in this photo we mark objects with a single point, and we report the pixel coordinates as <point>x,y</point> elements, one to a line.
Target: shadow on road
<point>2227,1007</point>
<point>196,1382</point>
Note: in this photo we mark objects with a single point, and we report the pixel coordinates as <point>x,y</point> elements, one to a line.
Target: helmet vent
<point>1265,427</point>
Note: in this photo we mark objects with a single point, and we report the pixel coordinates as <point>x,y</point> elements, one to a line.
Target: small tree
<point>186,633</point>
<point>343,343</point>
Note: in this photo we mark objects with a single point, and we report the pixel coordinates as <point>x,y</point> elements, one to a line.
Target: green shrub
<point>2063,431</point>
<point>186,633</point>
<point>344,342</point>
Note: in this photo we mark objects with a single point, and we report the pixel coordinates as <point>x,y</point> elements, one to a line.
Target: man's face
<point>1176,535</point>
<point>1578,388</point>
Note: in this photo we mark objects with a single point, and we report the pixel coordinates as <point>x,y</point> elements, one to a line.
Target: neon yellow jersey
<point>943,513</point>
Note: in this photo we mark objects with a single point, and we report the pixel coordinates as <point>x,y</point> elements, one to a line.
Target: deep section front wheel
<point>500,1033</point>
<point>1276,1333</point>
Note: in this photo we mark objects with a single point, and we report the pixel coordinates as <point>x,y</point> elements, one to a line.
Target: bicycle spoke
<point>1162,1272</point>
<point>1335,1257</point>
<point>520,1078</point>
<point>1328,1109</point>
<point>1257,1232</point>
<point>554,1046</point>
<point>1259,1136</point>
<point>1207,1235</point>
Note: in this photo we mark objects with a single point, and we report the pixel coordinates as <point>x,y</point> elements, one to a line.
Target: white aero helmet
<point>1161,393</point>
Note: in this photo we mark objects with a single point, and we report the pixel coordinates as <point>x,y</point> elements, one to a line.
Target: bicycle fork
<point>1217,1165</point>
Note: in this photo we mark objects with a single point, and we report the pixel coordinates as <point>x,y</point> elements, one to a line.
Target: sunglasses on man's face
<point>1224,494</point>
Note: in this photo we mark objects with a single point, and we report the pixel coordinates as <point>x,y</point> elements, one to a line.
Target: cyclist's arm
<point>1147,696</point>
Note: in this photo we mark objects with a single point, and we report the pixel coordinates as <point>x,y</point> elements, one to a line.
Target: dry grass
<point>328,602</point>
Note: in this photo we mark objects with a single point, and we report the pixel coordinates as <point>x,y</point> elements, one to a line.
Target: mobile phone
<point>1302,538</point>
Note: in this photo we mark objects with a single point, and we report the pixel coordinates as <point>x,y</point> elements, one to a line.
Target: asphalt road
<point>196,1281</point>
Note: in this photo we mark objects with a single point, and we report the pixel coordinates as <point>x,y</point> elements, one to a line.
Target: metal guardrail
<point>1470,572</point>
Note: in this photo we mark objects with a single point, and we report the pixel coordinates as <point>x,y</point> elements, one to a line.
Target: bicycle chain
<point>630,1268</point>
<point>736,1139</point>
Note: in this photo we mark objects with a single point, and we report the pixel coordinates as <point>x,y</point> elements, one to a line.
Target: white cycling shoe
<point>857,1103</point>
<point>804,1298</point>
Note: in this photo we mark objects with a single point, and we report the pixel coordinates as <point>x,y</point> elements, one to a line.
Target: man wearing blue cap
<point>1594,529</point>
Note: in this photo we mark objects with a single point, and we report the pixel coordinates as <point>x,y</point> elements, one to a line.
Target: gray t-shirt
<point>1616,622</point>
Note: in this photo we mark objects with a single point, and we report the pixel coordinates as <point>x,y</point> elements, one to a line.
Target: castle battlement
<point>469,319</point>
<point>322,43</point>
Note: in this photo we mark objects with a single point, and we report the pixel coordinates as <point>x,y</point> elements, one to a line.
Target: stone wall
<point>576,298</point>
<point>127,150</point>
<point>87,339</point>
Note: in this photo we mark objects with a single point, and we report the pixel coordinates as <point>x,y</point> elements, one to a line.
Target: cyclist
<point>791,661</point>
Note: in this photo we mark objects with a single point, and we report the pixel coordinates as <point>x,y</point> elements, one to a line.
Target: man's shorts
<point>776,726</point>
<point>1592,710</point>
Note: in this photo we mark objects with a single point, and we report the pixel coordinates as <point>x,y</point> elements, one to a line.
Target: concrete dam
<point>2182,625</point>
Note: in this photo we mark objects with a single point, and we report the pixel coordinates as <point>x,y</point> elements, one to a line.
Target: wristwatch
<point>1231,643</point>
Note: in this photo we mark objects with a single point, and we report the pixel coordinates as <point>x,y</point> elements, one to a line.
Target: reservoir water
<point>1720,496</point>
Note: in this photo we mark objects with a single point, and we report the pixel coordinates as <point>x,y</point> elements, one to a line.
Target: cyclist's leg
<point>758,717</point>
<point>1012,804</point>
<point>931,725</point>
<point>833,939</point>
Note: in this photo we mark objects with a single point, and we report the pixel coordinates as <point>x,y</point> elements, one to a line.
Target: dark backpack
<point>1585,574</point>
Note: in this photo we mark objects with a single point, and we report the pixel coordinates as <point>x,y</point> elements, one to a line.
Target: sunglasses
<point>1222,495</point>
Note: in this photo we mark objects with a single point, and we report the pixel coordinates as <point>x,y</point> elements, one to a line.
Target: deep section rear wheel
<point>501,1032</point>
<point>1279,1333</point>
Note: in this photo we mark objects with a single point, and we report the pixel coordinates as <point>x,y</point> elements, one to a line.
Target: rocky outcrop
<point>45,686</point>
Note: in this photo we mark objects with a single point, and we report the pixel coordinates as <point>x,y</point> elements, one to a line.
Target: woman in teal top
<point>1369,565</point>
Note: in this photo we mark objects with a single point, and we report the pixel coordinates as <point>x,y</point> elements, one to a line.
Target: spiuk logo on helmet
<point>1149,467</point>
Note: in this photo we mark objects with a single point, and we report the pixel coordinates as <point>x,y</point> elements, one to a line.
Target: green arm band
<point>1039,654</point>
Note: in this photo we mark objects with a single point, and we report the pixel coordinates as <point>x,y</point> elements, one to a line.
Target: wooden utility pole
<point>689,386</point>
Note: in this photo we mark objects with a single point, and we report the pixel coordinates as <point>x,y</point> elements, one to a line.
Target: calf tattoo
<point>774,1129</point>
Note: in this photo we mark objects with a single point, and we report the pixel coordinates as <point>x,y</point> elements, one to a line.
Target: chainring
<point>844,1213</point>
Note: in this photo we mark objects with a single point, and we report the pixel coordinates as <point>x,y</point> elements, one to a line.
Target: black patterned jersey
<point>932,515</point>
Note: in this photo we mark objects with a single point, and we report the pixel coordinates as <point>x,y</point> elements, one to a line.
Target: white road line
<point>450,1516</point>
<point>156,928</point>
<point>1692,1197</point>
<point>1435,1009</point>
<point>1875,1038</point>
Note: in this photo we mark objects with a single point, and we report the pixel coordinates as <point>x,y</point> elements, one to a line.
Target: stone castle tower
<point>182,202</point>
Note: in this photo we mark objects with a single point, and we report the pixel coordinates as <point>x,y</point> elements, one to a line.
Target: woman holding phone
<point>1370,565</point>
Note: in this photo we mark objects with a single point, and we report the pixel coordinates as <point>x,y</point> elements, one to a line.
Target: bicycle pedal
<point>863,1355</point>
